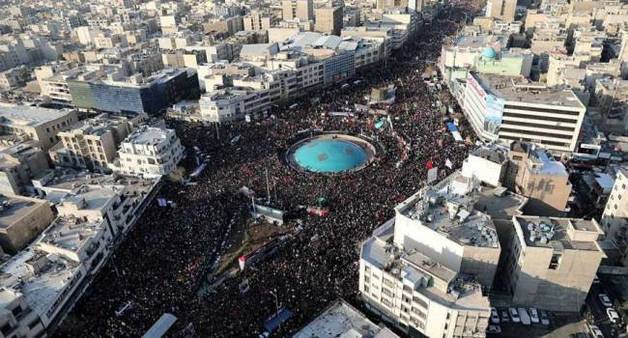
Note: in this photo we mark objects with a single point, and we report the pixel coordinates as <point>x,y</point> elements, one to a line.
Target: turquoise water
<point>330,156</point>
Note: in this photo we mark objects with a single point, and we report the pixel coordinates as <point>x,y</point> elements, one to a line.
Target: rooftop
<point>71,233</point>
<point>149,136</point>
<point>17,115</point>
<point>559,233</point>
<point>448,208</point>
<point>14,208</point>
<point>519,89</point>
<point>343,320</point>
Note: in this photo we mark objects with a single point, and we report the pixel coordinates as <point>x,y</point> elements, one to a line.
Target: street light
<point>274,293</point>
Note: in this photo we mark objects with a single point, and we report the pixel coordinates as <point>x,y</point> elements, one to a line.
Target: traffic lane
<point>599,313</point>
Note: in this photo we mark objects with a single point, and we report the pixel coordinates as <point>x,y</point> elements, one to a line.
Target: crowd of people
<point>163,261</point>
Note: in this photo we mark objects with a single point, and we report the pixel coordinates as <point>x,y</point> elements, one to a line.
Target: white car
<point>596,332</point>
<point>544,318</point>
<point>494,316</point>
<point>514,315</point>
<point>534,315</point>
<point>613,316</point>
<point>605,300</point>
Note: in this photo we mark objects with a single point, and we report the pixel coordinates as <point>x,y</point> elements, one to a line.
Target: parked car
<point>525,317</point>
<point>514,315</point>
<point>494,329</point>
<point>613,316</point>
<point>596,332</point>
<point>596,280</point>
<point>494,316</point>
<point>605,300</point>
<point>544,318</point>
<point>505,318</point>
<point>534,315</point>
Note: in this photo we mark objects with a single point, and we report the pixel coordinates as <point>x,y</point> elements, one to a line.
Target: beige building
<point>615,216</point>
<point>552,261</point>
<point>91,144</point>
<point>21,220</point>
<point>35,123</point>
<point>533,173</point>
<point>501,9</point>
<point>256,22</point>
<point>297,9</point>
<point>17,318</point>
<point>18,164</point>
<point>328,20</point>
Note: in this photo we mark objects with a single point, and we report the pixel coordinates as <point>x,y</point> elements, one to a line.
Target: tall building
<point>552,261</point>
<point>426,269</point>
<point>254,21</point>
<point>297,9</point>
<point>533,173</point>
<point>501,9</point>
<point>512,109</point>
<point>112,92</point>
<point>615,216</point>
<point>149,152</point>
<point>91,144</point>
<point>328,20</point>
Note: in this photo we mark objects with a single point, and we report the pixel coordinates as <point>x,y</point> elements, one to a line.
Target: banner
<point>432,175</point>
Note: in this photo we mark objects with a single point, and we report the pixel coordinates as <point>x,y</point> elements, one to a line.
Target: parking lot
<point>560,325</point>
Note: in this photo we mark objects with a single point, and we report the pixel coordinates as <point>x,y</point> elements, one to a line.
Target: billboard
<point>494,113</point>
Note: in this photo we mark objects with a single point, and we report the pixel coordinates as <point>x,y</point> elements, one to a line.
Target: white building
<point>230,104</point>
<point>149,152</point>
<point>511,109</point>
<point>614,220</point>
<point>488,165</point>
<point>425,270</point>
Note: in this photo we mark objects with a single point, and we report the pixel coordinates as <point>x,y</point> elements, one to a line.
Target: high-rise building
<point>328,20</point>
<point>501,9</point>
<point>615,216</point>
<point>513,109</point>
<point>426,269</point>
<point>297,9</point>
<point>256,22</point>
<point>552,261</point>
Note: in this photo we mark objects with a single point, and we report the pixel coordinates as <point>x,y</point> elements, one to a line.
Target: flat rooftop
<point>343,320</point>
<point>148,136</point>
<point>14,208</point>
<point>448,208</point>
<point>518,89</point>
<point>71,233</point>
<point>559,233</point>
<point>28,116</point>
<point>491,154</point>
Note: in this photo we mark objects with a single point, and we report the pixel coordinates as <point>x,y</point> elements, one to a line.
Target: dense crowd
<point>160,265</point>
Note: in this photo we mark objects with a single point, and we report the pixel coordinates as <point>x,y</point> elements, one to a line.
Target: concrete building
<point>533,173</point>
<point>614,219</point>
<point>254,21</point>
<point>149,152</point>
<point>501,9</point>
<point>19,163</point>
<point>114,92</point>
<point>552,261</point>
<point>341,319</point>
<point>328,20</point>
<point>462,55</point>
<point>298,9</point>
<point>512,109</point>
<point>18,317</point>
<point>35,123</point>
<point>91,144</point>
<point>488,165</point>
<point>22,219</point>
<point>426,269</point>
<point>234,103</point>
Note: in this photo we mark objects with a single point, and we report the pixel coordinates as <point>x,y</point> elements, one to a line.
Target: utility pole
<point>267,186</point>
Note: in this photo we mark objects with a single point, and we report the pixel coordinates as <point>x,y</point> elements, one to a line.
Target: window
<point>555,261</point>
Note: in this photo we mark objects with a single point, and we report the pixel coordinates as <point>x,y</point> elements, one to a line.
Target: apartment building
<point>91,144</point>
<point>298,9</point>
<point>35,123</point>
<point>552,261</point>
<point>19,163</point>
<point>501,9</point>
<point>512,109</point>
<point>230,104</point>
<point>328,20</point>
<point>614,219</point>
<point>22,219</point>
<point>149,152</point>
<point>426,269</point>
<point>255,21</point>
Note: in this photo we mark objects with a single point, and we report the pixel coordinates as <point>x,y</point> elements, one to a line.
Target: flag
<point>448,164</point>
<point>429,165</point>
